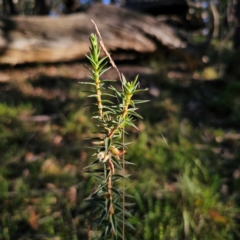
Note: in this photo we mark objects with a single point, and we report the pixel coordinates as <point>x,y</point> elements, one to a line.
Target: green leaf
<point>97,117</point>
<point>115,177</point>
<point>100,219</point>
<point>90,70</point>
<point>104,70</point>
<point>121,121</point>
<point>96,200</point>
<point>116,191</point>
<point>134,114</point>
<point>126,222</point>
<point>113,223</point>
<point>108,80</point>
<point>140,90</point>
<point>88,91</point>
<point>101,85</point>
<point>110,109</point>
<point>108,113</point>
<point>128,163</point>
<point>116,162</point>
<point>108,204</point>
<point>119,231</point>
<point>100,67</point>
<point>99,189</point>
<point>107,144</point>
<point>87,83</point>
<point>107,231</point>
<point>93,95</point>
<point>107,101</point>
<point>102,60</point>
<point>130,123</point>
<point>108,94</point>
<point>93,139</point>
<point>122,144</point>
<point>129,196</point>
<point>119,207</point>
<point>124,81</point>
<point>94,163</point>
<point>135,81</point>
<point>94,64</point>
<point>133,109</point>
<point>139,101</point>
<point>127,204</point>
<point>98,170</point>
<point>98,177</point>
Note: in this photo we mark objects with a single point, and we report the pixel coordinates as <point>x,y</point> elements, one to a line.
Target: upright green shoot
<point>111,118</point>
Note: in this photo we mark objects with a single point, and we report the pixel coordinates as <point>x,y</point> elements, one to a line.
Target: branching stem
<point>112,118</point>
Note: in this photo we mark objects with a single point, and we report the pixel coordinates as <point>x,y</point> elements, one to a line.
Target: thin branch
<point>123,188</point>
<point>105,50</point>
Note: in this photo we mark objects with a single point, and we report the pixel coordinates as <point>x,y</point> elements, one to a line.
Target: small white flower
<point>101,155</point>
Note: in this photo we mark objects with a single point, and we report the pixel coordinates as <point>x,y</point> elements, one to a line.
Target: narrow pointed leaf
<point>108,206</point>
<point>100,67</point>
<point>135,114</point>
<point>94,163</point>
<point>108,80</point>
<point>91,61</point>
<point>96,200</point>
<point>116,162</point>
<point>102,216</point>
<point>104,70</point>
<point>139,101</point>
<point>93,95</point>
<point>119,207</point>
<point>140,90</point>
<point>116,191</point>
<point>131,124</point>
<point>108,94</point>
<point>98,177</point>
<point>107,101</point>
<point>102,59</point>
<point>113,223</point>
<point>107,144</point>
<point>115,177</point>
<point>107,232</point>
<point>128,163</point>
<point>87,83</point>
<point>98,170</point>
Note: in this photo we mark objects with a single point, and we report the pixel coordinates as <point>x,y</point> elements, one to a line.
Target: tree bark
<point>43,39</point>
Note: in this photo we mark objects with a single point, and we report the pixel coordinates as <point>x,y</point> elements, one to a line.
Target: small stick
<point>105,50</point>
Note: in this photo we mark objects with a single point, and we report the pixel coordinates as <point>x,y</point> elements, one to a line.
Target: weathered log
<point>43,39</point>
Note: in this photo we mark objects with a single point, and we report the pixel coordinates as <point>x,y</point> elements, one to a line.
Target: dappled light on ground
<point>186,155</point>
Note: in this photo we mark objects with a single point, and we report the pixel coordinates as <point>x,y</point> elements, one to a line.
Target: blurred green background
<point>186,180</point>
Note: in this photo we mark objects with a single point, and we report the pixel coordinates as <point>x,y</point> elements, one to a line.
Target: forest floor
<point>186,152</point>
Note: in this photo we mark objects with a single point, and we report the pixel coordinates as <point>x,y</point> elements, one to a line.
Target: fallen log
<point>43,39</point>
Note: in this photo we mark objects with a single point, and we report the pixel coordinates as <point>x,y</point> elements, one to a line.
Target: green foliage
<point>8,120</point>
<point>111,120</point>
<point>186,174</point>
<point>181,199</point>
